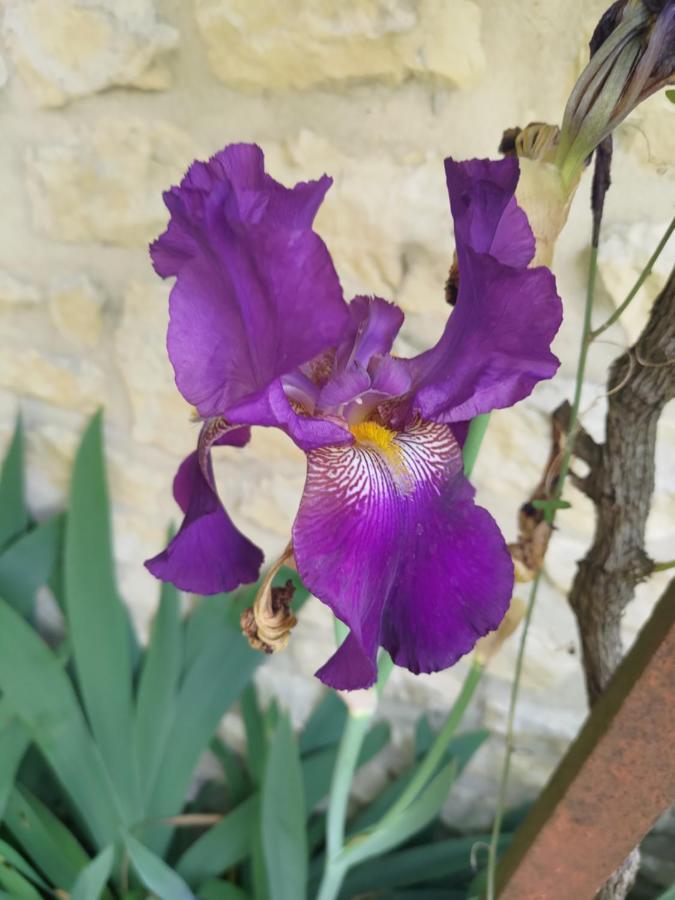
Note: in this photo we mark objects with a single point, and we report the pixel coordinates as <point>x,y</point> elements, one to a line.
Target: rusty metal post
<point>612,784</point>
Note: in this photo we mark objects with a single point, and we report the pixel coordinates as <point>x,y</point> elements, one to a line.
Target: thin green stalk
<point>356,728</point>
<point>579,381</point>
<point>333,876</point>
<point>351,742</point>
<point>663,566</point>
<point>473,442</point>
<point>510,722</point>
<point>434,755</point>
<point>550,517</point>
<point>618,312</point>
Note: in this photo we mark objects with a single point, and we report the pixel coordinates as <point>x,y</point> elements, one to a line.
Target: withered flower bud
<point>269,622</point>
<point>632,56</point>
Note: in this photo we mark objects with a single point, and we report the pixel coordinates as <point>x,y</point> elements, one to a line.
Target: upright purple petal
<point>256,293</point>
<point>363,372</point>
<point>208,554</point>
<point>389,537</point>
<point>496,345</point>
<point>373,325</point>
<point>484,210</point>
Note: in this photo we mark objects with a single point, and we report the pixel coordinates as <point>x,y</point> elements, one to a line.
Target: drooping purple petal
<point>256,293</point>
<point>208,554</point>
<point>496,345</point>
<point>389,537</point>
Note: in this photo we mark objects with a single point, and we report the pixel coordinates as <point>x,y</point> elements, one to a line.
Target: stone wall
<point>103,104</point>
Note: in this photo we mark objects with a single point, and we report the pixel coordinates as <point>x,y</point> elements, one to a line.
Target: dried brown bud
<point>507,145</point>
<point>529,550</point>
<point>269,622</point>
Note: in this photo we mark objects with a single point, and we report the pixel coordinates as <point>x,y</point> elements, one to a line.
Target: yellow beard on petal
<point>376,437</point>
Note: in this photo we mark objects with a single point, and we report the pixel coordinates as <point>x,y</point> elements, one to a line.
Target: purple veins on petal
<point>208,554</point>
<point>389,537</point>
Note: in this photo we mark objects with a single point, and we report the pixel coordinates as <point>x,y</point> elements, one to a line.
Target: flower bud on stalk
<point>632,56</point>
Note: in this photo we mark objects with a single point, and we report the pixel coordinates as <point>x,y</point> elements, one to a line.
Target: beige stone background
<point>103,103</point>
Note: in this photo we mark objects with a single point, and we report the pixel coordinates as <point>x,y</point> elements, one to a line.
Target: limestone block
<point>76,384</point>
<point>160,415</point>
<point>291,44</point>
<point>623,254</point>
<point>386,218</point>
<point>76,305</point>
<point>17,293</point>
<point>3,72</point>
<point>105,184</point>
<point>64,49</point>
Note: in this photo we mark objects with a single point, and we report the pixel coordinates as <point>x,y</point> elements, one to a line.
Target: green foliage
<point>100,740</point>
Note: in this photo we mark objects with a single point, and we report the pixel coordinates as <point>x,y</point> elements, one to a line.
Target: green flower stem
<point>618,312</point>
<point>510,722</point>
<point>473,442</point>
<point>434,755</point>
<point>663,566</point>
<point>356,728</point>
<point>352,739</point>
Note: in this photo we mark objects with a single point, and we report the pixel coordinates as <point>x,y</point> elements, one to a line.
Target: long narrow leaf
<point>236,779</point>
<point>27,564</point>
<point>415,866</point>
<point>209,688</point>
<point>13,510</point>
<point>284,840</point>
<point>9,855</point>
<point>221,890</point>
<point>97,621</point>
<point>20,888</point>
<point>419,814</point>
<point>460,749</point>
<point>325,725</point>
<point>14,741</point>
<point>669,894</point>
<point>254,725</point>
<point>317,768</point>
<point>157,689</point>
<point>92,880</point>
<point>155,874</point>
<point>39,691</point>
<point>46,840</point>
<point>222,846</point>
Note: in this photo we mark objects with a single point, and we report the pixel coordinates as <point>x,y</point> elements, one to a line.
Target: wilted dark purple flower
<point>387,534</point>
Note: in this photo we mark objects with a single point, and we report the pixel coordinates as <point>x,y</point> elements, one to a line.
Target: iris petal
<point>208,554</point>
<point>388,536</point>
<point>496,345</point>
<point>256,293</point>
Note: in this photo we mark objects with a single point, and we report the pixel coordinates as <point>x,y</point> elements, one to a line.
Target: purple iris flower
<point>387,534</point>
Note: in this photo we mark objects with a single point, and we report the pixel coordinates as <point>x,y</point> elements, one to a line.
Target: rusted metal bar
<point>612,784</point>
